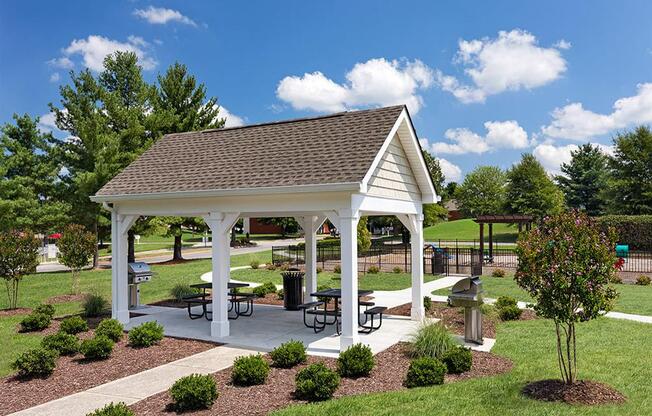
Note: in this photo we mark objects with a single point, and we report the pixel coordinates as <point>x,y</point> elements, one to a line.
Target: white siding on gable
<point>393,177</point>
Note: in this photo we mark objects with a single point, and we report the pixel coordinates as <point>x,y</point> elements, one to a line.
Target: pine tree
<point>530,190</point>
<point>631,168</point>
<point>585,180</point>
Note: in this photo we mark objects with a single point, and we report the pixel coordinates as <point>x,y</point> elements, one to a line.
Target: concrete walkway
<point>138,386</point>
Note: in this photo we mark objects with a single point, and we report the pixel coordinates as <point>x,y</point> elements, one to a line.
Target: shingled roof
<point>333,149</point>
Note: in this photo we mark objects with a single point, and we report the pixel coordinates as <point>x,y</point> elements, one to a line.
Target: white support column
<point>220,225</point>
<point>120,225</point>
<point>348,220</point>
<point>310,225</point>
<point>417,312</point>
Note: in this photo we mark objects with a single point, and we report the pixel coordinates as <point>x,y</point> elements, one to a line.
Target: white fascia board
<point>372,205</point>
<point>348,186</point>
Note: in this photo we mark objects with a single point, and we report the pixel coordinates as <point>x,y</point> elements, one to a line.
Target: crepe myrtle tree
<point>566,264</point>
<point>18,257</point>
<point>76,249</point>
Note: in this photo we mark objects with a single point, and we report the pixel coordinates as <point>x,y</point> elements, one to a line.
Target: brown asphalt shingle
<point>324,150</point>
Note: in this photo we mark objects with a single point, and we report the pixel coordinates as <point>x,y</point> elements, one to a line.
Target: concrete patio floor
<point>270,326</point>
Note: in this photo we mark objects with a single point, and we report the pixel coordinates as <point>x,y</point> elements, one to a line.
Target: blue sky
<point>484,81</point>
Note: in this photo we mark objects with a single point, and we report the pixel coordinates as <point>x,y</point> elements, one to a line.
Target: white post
<point>120,224</point>
<point>220,225</point>
<point>417,312</point>
<point>349,254</point>
<point>310,225</point>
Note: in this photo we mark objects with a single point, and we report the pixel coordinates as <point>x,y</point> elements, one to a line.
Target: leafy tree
<point>18,257</point>
<point>433,213</point>
<point>76,248</point>
<point>631,171</point>
<point>364,236</point>
<point>530,191</point>
<point>434,169</point>
<point>566,265</point>
<point>450,189</point>
<point>29,183</point>
<point>288,225</point>
<point>585,180</point>
<point>482,192</point>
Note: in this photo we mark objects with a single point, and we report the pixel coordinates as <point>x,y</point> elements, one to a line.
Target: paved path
<point>138,386</point>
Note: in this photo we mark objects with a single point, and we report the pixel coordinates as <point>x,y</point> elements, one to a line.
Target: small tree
<point>18,257</point>
<point>364,236</point>
<point>566,265</point>
<point>76,247</point>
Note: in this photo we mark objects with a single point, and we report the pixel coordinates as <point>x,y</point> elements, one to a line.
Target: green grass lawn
<point>379,281</point>
<point>468,230</point>
<point>609,350</point>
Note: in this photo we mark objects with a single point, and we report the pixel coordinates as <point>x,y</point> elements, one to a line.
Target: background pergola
<point>521,220</point>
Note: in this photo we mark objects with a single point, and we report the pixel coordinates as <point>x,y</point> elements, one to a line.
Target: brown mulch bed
<point>65,298</point>
<point>13,312</point>
<point>270,299</point>
<point>584,392</point>
<point>278,391</point>
<point>74,374</point>
<point>169,303</point>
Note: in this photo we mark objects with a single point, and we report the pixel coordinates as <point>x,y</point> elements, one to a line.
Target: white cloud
<point>500,134</point>
<point>55,77</point>
<point>62,62</point>
<point>563,44</point>
<point>47,123</point>
<point>231,119</point>
<point>161,16</point>
<point>552,157</point>
<point>510,62</point>
<point>95,48</point>
<point>574,122</point>
<point>452,172</point>
<point>375,82</point>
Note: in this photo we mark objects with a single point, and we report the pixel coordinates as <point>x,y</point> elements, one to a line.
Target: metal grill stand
<point>467,293</point>
<point>138,272</point>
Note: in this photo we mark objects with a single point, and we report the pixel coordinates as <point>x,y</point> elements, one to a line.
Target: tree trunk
<point>96,254</point>
<point>131,252</point>
<point>177,248</point>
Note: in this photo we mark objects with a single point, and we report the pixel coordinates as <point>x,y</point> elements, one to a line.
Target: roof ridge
<point>291,120</point>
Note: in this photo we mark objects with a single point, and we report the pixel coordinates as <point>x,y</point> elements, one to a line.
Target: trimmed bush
<point>113,409</point>
<point>397,270</point>
<point>509,313</point>
<point>280,294</point>
<point>94,305</point>
<point>97,348</point>
<point>262,290</point>
<point>62,343</point>
<point>110,328</point>
<point>504,301</point>
<point>458,360</point>
<point>319,270</point>
<point>356,361</point>
<point>37,362</point>
<point>427,303</point>
<point>643,280</point>
<point>337,269</point>
<point>146,334</point>
<point>633,230</point>
<point>255,264</point>
<point>316,382</point>
<point>431,340</point>
<point>373,270</point>
<point>249,370</point>
<point>499,273</point>
<point>74,325</point>
<point>288,354</point>
<point>616,279</point>
<point>181,290</point>
<point>425,371</point>
<point>35,322</point>
<point>45,308</point>
<point>194,392</point>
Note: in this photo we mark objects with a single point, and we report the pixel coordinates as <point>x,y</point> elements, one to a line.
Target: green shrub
<point>61,342</point>
<point>94,305</point>
<point>262,290</point>
<point>280,294</point>
<point>425,371</point>
<point>617,279</point>
<point>427,303</point>
<point>97,348</point>
<point>193,392</point>
<point>74,325</point>
<point>431,340</point>
<point>255,264</point>
<point>322,298</point>
<point>316,382</point>
<point>45,308</point>
<point>643,280</point>
<point>509,313</point>
<point>146,334</point>
<point>633,230</point>
<point>397,270</point>
<point>355,361</point>
<point>249,370</point>
<point>37,362</point>
<point>458,360</point>
<point>110,328</point>
<point>35,322</point>
<point>373,270</point>
<point>489,311</point>
<point>113,409</point>
<point>498,273</point>
<point>181,290</point>
<point>289,354</point>
<point>319,270</point>
<point>337,269</point>
<point>505,301</point>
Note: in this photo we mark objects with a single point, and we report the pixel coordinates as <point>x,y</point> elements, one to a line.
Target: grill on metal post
<point>138,272</point>
<point>467,293</point>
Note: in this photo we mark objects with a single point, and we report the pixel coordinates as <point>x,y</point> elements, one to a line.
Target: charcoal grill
<point>467,293</point>
<point>138,272</point>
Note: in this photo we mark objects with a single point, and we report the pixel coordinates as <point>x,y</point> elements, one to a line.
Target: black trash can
<point>292,289</point>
